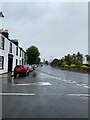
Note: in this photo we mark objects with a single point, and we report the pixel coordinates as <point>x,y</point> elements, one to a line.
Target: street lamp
<point>1,14</point>
<point>51,58</point>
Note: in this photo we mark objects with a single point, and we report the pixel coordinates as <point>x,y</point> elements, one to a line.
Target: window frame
<point>10,47</point>
<point>2,43</point>
<point>2,63</point>
<point>17,50</point>
<point>20,53</point>
<point>16,62</point>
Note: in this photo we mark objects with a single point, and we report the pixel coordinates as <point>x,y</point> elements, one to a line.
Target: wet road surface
<point>46,93</point>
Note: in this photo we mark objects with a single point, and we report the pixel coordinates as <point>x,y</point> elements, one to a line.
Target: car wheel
<point>20,75</point>
<point>28,73</point>
<point>25,74</point>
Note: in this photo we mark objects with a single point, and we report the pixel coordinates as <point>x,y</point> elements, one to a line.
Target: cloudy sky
<point>55,28</point>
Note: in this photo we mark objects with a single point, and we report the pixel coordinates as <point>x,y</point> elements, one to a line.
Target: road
<point>46,93</point>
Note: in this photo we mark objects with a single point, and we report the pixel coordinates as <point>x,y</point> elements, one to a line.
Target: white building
<point>10,53</point>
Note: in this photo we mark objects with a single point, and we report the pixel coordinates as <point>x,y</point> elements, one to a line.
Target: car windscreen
<point>18,66</point>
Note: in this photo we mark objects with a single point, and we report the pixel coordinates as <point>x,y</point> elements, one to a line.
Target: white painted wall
<point>5,53</point>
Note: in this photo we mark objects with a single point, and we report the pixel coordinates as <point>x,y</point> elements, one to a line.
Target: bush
<point>72,65</point>
<point>84,66</point>
<point>66,65</point>
<point>79,64</point>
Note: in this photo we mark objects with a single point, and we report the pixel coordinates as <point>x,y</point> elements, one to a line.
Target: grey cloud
<point>56,28</point>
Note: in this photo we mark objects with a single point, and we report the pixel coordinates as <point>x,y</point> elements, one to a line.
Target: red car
<point>21,70</point>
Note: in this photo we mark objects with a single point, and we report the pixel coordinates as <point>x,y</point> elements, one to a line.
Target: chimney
<point>15,41</point>
<point>4,33</point>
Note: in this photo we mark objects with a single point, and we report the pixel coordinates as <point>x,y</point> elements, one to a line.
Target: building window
<point>20,52</point>
<point>2,42</point>
<point>1,62</point>
<point>24,55</point>
<point>10,49</point>
<point>16,50</point>
<point>19,62</point>
<point>16,62</point>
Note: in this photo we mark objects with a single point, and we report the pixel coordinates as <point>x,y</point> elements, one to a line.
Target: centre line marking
<point>86,95</point>
<point>18,94</point>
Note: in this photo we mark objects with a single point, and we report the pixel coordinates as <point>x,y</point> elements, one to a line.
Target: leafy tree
<point>74,60</point>
<point>46,62</point>
<point>54,62</point>
<point>60,62</point>
<point>33,55</point>
<point>68,59</point>
<point>38,60</point>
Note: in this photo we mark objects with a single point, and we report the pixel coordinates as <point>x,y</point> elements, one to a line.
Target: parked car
<point>30,68</point>
<point>33,67</point>
<point>21,70</point>
<point>41,65</point>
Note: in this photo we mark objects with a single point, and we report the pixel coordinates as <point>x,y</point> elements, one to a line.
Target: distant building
<point>79,57</point>
<point>11,54</point>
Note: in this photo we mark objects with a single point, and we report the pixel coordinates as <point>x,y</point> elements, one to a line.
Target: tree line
<point>75,60</point>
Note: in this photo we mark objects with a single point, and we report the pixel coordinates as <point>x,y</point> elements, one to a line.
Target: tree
<point>54,62</point>
<point>68,59</point>
<point>60,63</point>
<point>33,55</point>
<point>38,60</point>
<point>46,62</point>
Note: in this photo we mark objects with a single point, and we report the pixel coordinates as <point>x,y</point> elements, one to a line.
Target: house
<point>80,57</point>
<point>11,54</point>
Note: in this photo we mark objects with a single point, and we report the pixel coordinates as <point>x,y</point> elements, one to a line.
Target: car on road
<point>21,70</point>
<point>30,68</point>
<point>41,65</point>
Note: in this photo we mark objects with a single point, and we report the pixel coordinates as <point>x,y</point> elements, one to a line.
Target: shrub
<point>72,65</point>
<point>79,64</point>
<point>66,65</point>
<point>84,66</point>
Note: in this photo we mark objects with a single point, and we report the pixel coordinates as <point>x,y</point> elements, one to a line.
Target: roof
<point>14,43</point>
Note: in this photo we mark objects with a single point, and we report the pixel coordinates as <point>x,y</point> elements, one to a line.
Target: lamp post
<point>51,58</point>
<point>1,14</point>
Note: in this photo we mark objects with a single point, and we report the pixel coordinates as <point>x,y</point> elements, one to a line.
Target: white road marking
<point>73,81</point>
<point>68,81</point>
<point>64,80</point>
<point>86,86</point>
<point>79,84</point>
<point>83,84</point>
<point>81,95</point>
<point>18,94</point>
<point>38,83</point>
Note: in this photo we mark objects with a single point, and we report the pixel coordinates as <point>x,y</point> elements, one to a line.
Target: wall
<point>5,53</point>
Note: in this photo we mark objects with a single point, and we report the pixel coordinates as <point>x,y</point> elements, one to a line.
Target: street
<point>46,93</point>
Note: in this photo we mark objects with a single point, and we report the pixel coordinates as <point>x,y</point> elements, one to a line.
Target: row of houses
<point>11,54</point>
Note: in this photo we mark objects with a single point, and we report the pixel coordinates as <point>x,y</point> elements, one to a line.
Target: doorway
<point>10,62</point>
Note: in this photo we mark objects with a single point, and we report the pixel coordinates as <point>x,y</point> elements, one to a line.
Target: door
<point>10,62</point>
